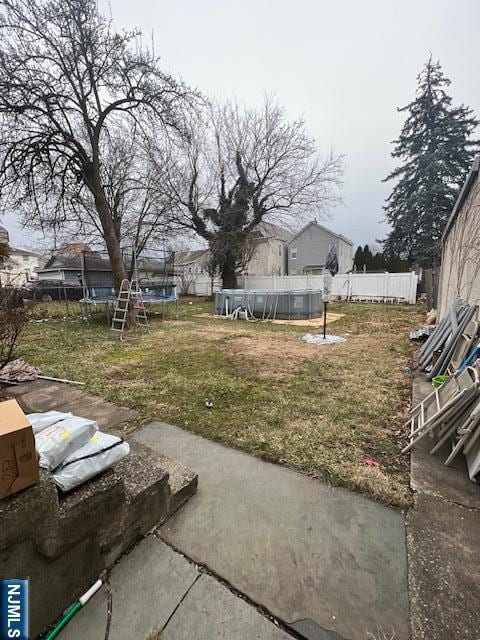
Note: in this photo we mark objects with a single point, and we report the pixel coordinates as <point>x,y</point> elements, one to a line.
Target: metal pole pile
<point>445,338</point>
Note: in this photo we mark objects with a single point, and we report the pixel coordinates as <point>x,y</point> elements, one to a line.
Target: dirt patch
<point>313,322</point>
<point>272,355</point>
<point>216,333</point>
<point>211,332</point>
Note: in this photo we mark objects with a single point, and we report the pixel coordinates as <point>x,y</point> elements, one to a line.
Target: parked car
<point>48,290</point>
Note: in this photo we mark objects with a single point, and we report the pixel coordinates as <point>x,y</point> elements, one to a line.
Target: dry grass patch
<point>270,355</point>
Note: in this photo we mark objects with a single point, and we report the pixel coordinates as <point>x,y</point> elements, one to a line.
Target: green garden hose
<point>72,610</point>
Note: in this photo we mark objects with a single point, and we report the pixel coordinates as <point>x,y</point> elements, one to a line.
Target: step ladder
<point>139,305</point>
<point>129,291</point>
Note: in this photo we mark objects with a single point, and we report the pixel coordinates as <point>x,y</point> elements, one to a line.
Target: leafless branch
<point>70,88</point>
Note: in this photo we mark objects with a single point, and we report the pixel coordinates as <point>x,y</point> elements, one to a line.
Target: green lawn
<point>315,409</point>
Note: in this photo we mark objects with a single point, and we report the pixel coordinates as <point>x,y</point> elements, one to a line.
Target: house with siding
<point>270,252</point>
<point>308,250</point>
<point>268,257</point>
<point>460,264</point>
<point>68,266</point>
<point>20,267</point>
<point>192,261</point>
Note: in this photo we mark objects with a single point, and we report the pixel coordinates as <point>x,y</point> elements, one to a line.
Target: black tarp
<point>331,263</point>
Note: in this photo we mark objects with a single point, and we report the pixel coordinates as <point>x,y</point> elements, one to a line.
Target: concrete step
<point>142,470</point>
<point>182,481</point>
<point>78,535</point>
<point>154,488</point>
<point>107,514</point>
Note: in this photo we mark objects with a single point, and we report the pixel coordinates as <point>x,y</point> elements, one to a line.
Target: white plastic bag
<point>41,421</point>
<point>57,442</point>
<point>319,339</point>
<point>100,452</point>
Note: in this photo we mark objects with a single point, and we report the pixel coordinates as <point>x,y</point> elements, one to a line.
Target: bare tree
<point>240,167</point>
<point>142,208</point>
<point>70,88</point>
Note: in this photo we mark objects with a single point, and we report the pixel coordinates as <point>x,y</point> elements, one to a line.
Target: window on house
<point>280,250</point>
<point>293,253</point>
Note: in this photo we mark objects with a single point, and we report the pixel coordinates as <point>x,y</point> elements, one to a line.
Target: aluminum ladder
<point>139,305</point>
<point>129,291</point>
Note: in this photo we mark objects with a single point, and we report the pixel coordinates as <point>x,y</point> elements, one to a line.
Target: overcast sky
<point>344,66</point>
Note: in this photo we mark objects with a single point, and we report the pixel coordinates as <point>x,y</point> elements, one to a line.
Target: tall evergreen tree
<point>367,257</point>
<point>378,262</point>
<point>358,258</point>
<point>435,149</point>
<point>394,264</point>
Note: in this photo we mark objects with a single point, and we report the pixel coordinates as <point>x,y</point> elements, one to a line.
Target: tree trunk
<point>112,243</point>
<point>229,277</point>
<point>114,251</point>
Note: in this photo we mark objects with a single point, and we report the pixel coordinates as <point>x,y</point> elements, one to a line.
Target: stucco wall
<point>460,269</point>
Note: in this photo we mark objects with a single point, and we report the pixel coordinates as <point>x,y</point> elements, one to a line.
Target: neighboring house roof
<point>320,226</point>
<point>153,265</point>
<point>465,190</point>
<point>269,230</point>
<point>73,263</point>
<point>22,252</point>
<point>96,263</point>
<point>189,257</point>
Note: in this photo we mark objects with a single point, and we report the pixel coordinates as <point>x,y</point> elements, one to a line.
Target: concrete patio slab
<point>43,395</point>
<point>304,550</point>
<point>444,573</point>
<point>155,592</point>
<point>430,475</point>
<point>146,588</point>
<point>23,388</point>
<point>210,610</point>
<point>49,396</point>
<point>107,415</point>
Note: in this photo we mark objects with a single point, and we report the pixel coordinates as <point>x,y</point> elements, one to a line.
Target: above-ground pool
<point>271,304</point>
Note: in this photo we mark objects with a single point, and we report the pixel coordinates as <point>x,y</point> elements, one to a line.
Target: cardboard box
<point>18,458</point>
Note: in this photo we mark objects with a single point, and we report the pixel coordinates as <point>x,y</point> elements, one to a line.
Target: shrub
<point>14,317</point>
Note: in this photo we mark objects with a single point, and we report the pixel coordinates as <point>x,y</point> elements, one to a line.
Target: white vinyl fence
<point>199,284</point>
<point>369,287</point>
